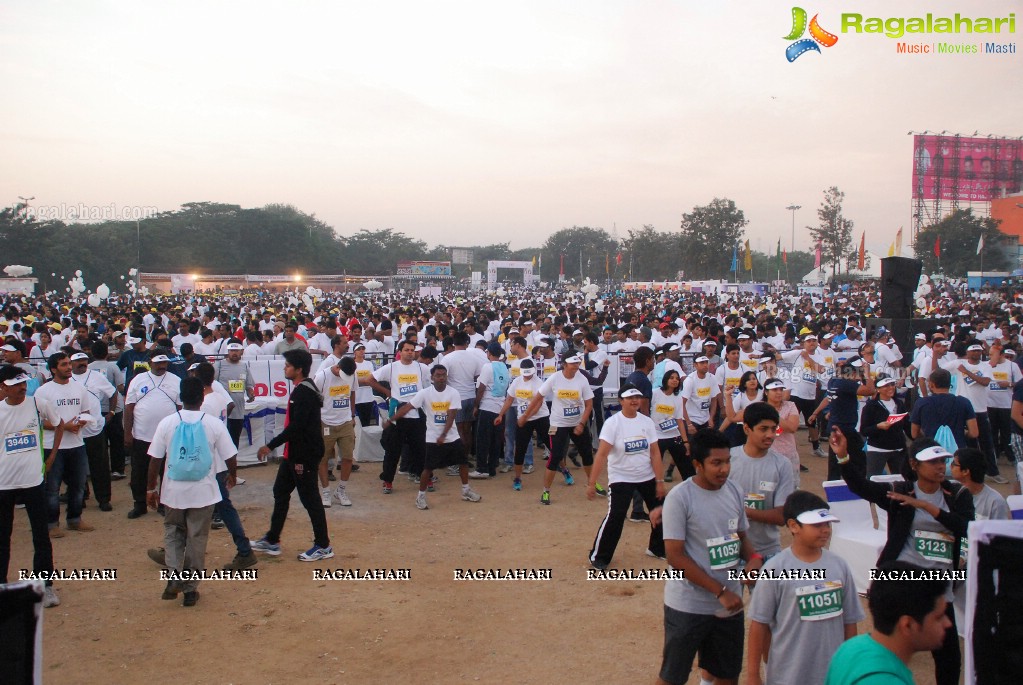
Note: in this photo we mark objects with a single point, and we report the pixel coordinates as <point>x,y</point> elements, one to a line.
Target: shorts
<point>718,641</point>
<point>805,406</point>
<point>445,454</point>
<point>464,414</point>
<point>343,437</point>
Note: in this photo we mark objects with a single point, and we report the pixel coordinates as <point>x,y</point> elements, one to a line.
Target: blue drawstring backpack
<point>189,457</point>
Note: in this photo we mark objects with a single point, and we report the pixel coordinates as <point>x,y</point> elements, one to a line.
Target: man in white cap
<point>234,374</point>
<point>701,396</point>
<point>152,396</point>
<point>100,392</point>
<point>23,464</point>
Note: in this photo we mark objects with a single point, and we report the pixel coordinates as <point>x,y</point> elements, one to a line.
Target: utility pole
<point>793,208</point>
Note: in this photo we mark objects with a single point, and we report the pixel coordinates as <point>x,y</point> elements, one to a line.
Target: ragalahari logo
<point>817,35</point>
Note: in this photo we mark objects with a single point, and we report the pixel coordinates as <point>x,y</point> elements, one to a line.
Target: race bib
<point>705,405</point>
<point>236,386</point>
<point>408,385</point>
<point>934,546</point>
<point>723,551</point>
<point>821,601</point>
<point>636,446</point>
<point>20,441</point>
<point>342,403</point>
<point>755,501</point>
<point>667,425</point>
<point>571,411</point>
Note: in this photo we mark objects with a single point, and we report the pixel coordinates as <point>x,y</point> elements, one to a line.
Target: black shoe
<point>217,523</point>
<point>639,517</point>
<point>172,590</point>
<point>117,475</point>
<point>63,498</point>
<point>803,469</point>
<point>159,555</point>
<point>355,467</point>
<point>136,512</point>
<point>575,461</point>
<point>161,510</point>
<point>191,598</point>
<point>330,476</point>
<point>105,506</point>
<point>599,565</point>
<point>241,562</point>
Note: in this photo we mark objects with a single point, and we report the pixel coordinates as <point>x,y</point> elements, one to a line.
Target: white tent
<point>822,275</point>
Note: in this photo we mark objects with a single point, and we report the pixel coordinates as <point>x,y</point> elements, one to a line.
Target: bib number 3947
<point>723,551</point>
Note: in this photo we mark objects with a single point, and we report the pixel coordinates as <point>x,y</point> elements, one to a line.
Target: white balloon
<point>103,291</point>
<point>93,300</point>
<point>122,278</point>
<point>921,303</point>
<point>78,273</point>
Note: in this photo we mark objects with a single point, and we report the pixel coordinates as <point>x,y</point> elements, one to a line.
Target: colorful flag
<point>607,264</point>
<point>777,253</point>
<point>784,256</point>
<point>861,263</point>
<point>980,243</point>
<point>534,260</point>
<point>735,257</point>
<point>539,261</point>
<point>561,272</point>
<point>817,255</point>
<point>891,249</point>
<point>898,243</point>
<point>748,263</point>
<point>618,259</point>
<point>937,247</point>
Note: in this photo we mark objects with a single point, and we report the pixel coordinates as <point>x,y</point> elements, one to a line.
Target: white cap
<point>701,358</point>
<point>23,378</point>
<point>193,367</point>
<point>574,359</point>
<point>827,336</point>
<point>118,334</point>
<point>774,384</point>
<point>817,516</point>
<point>882,382</point>
<point>160,358</point>
<point>632,392</point>
<point>809,336</point>
<point>358,346</point>
<point>742,336</point>
<point>919,336</point>
<point>9,348</point>
<point>528,370</point>
<point>942,341</point>
<point>932,453</point>
<point>670,347</point>
<point>975,348</point>
<point>79,355</point>
<point>235,346</point>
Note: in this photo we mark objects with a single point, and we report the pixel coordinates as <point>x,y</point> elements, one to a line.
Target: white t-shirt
<point>568,398</point>
<point>524,391</point>
<point>193,494</point>
<point>215,404</point>
<point>406,379</point>
<point>154,397</point>
<point>21,449</point>
<point>337,396</point>
<point>630,441</point>
<point>597,358</point>
<point>998,397</point>
<point>436,405</point>
<point>69,401</point>
<point>666,413</point>
<point>97,385</point>
<point>463,367</point>
<point>728,379</point>
<point>363,370</point>
<point>486,380</point>
<point>698,393</point>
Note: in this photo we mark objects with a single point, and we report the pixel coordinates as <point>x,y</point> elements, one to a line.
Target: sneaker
<point>803,469</point>
<point>668,477</point>
<point>50,598</point>
<point>504,468</point>
<point>470,496</point>
<point>478,475</point>
<point>330,476</point>
<point>171,591</point>
<point>116,475</point>
<point>639,517</point>
<point>105,506</point>
<point>191,599</point>
<point>355,467</point>
<point>387,488</point>
<point>1000,479</point>
<point>136,512</point>
<point>402,473</point>
<point>239,562</point>
<point>341,495</point>
<point>317,553</point>
<point>217,523</point>
<point>517,484</point>
<point>528,468</point>
<point>415,480</point>
<point>820,453</point>
<point>545,498</point>
<point>432,485</point>
<point>600,489</point>
<point>599,565</point>
<point>453,470</point>
<point>56,532</point>
<point>421,501</point>
<point>569,480</point>
<point>325,498</point>
<point>265,546</point>
<point>158,555</point>
<point>83,527</point>
<point>575,461</point>
<point>651,553</point>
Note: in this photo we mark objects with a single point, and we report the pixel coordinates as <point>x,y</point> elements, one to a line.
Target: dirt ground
<point>286,627</point>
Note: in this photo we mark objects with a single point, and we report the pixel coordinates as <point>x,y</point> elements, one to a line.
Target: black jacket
<point>874,412</point>
<point>900,517</point>
<point>303,432</point>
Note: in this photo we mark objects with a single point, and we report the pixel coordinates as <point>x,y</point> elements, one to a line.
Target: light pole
<point>793,208</point>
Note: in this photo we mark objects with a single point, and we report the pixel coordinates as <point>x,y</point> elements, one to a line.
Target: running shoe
<point>651,553</point>
<point>639,517</point>
<point>387,488</point>
<point>600,489</point>
<point>432,485</point>
<point>575,461</point>
<point>452,470</point>
<point>569,480</point>
<point>325,498</point>
<point>478,475</point>
<point>527,469</point>
<point>598,565</point>
<point>517,484</point>
<point>342,496</point>
<point>217,523</point>
<point>50,598</point>
<point>820,453</point>
<point>545,498</point>
<point>1000,479</point>
<point>317,553</point>
<point>265,546</point>
<point>504,468</point>
<point>471,496</point>
<point>421,501</point>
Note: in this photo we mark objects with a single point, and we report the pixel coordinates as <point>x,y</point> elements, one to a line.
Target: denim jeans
<point>229,515</point>
<point>510,424</point>
<point>71,465</point>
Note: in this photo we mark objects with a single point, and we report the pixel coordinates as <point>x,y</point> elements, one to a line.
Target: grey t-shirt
<point>988,504</point>
<point>929,544</point>
<point>807,617</point>
<point>709,522</point>
<point>766,482</point>
<point>238,381</point>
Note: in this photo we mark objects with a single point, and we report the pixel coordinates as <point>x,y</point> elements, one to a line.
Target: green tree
<point>651,254</point>
<point>834,231</point>
<point>707,235</point>
<point>584,249</point>
<point>960,233</point>
<point>378,252</point>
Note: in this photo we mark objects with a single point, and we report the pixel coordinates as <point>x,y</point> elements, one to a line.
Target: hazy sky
<point>480,122</point>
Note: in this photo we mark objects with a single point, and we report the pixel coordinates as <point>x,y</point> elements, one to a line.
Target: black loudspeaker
<point>903,330</point>
<point>899,278</point>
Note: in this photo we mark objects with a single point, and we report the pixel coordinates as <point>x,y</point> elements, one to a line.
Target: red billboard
<point>966,169</point>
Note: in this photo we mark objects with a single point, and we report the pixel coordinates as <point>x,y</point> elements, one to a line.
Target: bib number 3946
<point>723,551</point>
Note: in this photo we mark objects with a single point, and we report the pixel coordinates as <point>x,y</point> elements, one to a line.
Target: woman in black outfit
<point>927,520</point>
<point>886,442</point>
